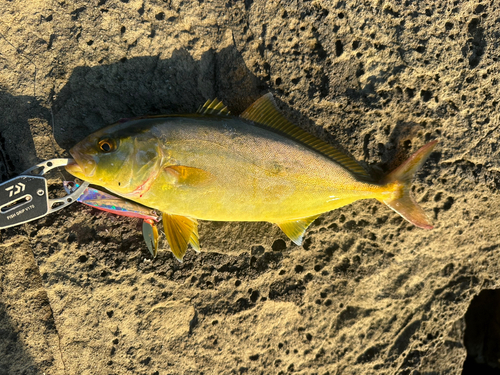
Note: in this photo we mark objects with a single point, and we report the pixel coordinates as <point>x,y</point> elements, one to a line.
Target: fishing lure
<point>119,206</point>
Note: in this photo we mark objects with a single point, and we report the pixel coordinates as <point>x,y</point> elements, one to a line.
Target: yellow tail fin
<point>401,201</point>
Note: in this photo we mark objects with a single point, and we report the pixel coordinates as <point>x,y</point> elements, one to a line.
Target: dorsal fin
<point>213,107</point>
<point>265,112</point>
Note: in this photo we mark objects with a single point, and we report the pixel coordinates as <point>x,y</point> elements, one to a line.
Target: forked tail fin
<point>401,200</point>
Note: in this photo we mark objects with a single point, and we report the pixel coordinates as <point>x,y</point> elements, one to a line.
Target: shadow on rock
<point>17,149</point>
<point>98,96</point>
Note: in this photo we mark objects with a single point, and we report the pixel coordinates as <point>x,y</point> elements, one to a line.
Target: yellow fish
<point>255,167</point>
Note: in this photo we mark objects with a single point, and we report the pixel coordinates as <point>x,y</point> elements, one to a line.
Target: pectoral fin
<point>190,176</point>
<point>295,229</point>
<point>180,231</point>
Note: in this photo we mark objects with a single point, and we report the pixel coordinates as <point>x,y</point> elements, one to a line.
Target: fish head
<point>121,159</point>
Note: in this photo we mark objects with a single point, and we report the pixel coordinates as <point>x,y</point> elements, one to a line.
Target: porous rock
<point>368,293</point>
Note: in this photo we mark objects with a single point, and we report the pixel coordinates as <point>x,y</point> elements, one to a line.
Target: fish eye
<point>107,145</point>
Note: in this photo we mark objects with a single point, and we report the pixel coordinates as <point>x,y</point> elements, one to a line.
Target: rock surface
<point>367,294</point>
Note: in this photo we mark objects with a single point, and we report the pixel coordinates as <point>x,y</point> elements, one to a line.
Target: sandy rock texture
<point>367,294</point>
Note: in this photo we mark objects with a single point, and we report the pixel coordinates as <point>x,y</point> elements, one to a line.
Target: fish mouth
<point>82,166</point>
<point>74,169</point>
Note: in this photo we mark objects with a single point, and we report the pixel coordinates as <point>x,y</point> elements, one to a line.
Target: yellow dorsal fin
<point>265,112</point>
<point>295,229</point>
<point>213,107</point>
<point>180,231</point>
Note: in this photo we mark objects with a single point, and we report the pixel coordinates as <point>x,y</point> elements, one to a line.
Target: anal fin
<point>295,229</point>
<point>180,232</point>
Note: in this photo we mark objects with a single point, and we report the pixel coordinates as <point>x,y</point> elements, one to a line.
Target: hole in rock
<point>482,334</point>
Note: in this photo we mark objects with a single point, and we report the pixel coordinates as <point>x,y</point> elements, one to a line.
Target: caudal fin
<point>401,200</point>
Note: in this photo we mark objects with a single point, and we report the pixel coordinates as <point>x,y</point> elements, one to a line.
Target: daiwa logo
<point>19,188</point>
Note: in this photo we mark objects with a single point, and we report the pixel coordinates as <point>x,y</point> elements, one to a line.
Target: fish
<point>214,166</point>
<point>109,203</point>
